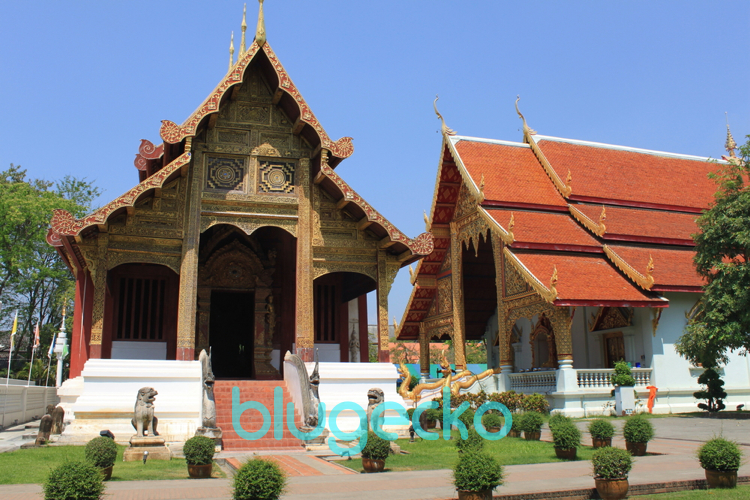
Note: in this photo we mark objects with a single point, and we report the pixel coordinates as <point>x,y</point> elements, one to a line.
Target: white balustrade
<point>601,378</point>
<point>530,382</point>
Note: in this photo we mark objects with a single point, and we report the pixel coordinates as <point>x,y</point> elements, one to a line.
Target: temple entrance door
<point>232,334</point>
<point>614,348</point>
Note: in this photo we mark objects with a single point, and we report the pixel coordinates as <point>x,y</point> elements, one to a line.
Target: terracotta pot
<point>532,436</point>
<point>493,429</point>
<point>107,471</point>
<point>514,434</point>
<point>636,449</point>
<point>569,454</point>
<point>612,489</point>
<point>721,479</point>
<point>431,424</point>
<point>601,442</point>
<point>200,471</point>
<point>371,465</point>
<point>474,495</point>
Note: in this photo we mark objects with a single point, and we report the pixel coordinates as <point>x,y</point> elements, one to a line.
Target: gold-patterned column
<point>100,294</point>
<point>503,333</point>
<point>188,301</point>
<point>561,322</point>
<point>457,285</point>
<point>204,320</point>
<point>386,274</point>
<point>304,326</point>
<point>424,352</point>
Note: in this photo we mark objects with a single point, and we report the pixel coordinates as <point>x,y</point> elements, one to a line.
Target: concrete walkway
<point>316,479</point>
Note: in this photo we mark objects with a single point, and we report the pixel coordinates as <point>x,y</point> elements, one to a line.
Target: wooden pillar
<point>304,324</point>
<point>457,284</point>
<point>82,312</point>
<point>100,294</point>
<point>265,325</point>
<point>188,300</point>
<point>386,274</point>
<point>202,340</point>
<point>424,352</point>
<point>364,337</point>
<point>503,333</point>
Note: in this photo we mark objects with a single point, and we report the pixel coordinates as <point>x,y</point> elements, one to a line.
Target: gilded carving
<point>458,298</point>
<point>116,258</point>
<point>225,174</point>
<point>445,295</point>
<point>514,282</point>
<point>304,318</point>
<point>466,203</point>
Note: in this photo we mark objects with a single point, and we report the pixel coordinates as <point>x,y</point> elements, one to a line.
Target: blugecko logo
<point>450,418</point>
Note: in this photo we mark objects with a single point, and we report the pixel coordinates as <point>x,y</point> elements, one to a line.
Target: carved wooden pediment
<point>611,317</point>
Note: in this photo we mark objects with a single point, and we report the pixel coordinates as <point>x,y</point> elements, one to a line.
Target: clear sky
<point>82,82</point>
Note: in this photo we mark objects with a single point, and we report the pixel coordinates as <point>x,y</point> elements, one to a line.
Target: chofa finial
<point>444,128</point>
<point>730,145</point>
<point>231,52</point>
<point>260,32</point>
<point>244,28</point>
<point>526,129</point>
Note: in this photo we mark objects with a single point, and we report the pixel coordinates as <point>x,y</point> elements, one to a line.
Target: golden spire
<point>511,223</point>
<point>260,31</point>
<point>553,282</point>
<point>412,276</point>
<point>730,145</point>
<point>231,52</point>
<point>244,28</point>
<point>526,128</point>
<point>602,218</point>
<point>426,221</point>
<point>443,128</point>
<point>395,324</point>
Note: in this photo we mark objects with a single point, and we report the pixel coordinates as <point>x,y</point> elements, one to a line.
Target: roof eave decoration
<point>506,235</point>
<point>421,245</point>
<point>147,151</point>
<point>64,224</point>
<point>172,133</point>
<point>597,228</point>
<point>476,191</point>
<point>564,188</point>
<point>645,282</point>
<point>548,294</point>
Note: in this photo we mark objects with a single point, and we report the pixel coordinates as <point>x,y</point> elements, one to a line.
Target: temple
<point>565,256</point>
<point>241,238</point>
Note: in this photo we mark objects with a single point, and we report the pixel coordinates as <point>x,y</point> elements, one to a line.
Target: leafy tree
<point>33,278</point>
<point>720,322</point>
<point>714,393</point>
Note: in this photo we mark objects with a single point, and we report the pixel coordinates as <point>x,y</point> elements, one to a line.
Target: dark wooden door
<point>615,348</point>
<point>231,334</point>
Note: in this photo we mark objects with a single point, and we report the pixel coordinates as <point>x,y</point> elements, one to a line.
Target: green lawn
<point>741,492</point>
<point>34,464</point>
<point>441,454</point>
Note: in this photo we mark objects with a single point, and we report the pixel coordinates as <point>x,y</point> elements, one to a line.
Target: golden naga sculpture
<point>454,382</point>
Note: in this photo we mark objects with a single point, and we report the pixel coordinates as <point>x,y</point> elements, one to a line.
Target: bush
<point>535,402</point>
<point>714,393</point>
<point>259,479</point>
<point>434,415</point>
<point>566,435</point>
<point>638,430</point>
<point>531,421</point>
<point>492,420</point>
<point>199,450</point>
<point>472,444</point>
<point>622,375</point>
<point>477,472</point>
<point>611,463</point>
<point>720,454</point>
<point>74,481</point>
<point>467,417</point>
<point>376,448</point>
<point>601,429</point>
<point>558,418</point>
<point>410,413</point>
<point>101,451</point>
<point>475,400</point>
<point>511,399</point>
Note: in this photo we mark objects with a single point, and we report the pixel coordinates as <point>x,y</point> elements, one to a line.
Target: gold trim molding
<point>549,294</point>
<point>645,282</point>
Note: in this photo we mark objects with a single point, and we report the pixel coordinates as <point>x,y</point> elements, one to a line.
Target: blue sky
<point>82,82</point>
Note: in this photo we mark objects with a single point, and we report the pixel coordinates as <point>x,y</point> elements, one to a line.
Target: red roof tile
<point>544,228</point>
<point>642,223</point>
<point>583,277</point>
<point>636,177</point>
<point>672,267</point>
<point>511,173</point>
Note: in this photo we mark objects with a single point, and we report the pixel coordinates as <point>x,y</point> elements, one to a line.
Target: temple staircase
<point>262,392</point>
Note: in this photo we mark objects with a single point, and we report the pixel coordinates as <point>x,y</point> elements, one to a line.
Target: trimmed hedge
<point>199,450</point>
<point>611,463</point>
<point>477,472</point>
<point>74,481</point>
<point>638,429</point>
<point>473,442</point>
<point>601,428</point>
<point>566,435</point>
<point>259,479</point>
<point>101,451</point>
<point>720,454</point>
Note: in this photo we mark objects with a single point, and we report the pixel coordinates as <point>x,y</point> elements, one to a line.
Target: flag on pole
<point>52,345</point>
<point>13,331</point>
<point>36,337</point>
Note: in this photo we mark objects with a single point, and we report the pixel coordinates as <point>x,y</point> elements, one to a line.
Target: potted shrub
<point>535,402</point>
<point>531,424</point>
<point>473,442</point>
<point>199,454</point>
<point>375,452</point>
<point>720,459</point>
<point>467,417</point>
<point>476,475</point>
<point>80,480</point>
<point>102,452</point>
<point>601,431</point>
<point>567,439</point>
<point>638,431</point>
<point>515,426</point>
<point>558,418</point>
<point>492,422</point>
<point>432,416</point>
<point>611,468</point>
<point>623,380</point>
<point>259,479</point>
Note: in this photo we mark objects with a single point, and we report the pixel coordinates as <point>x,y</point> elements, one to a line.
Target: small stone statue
<point>209,428</point>
<point>45,427</point>
<point>375,397</point>
<point>143,414</point>
<point>58,415</point>
<point>354,346</point>
<point>308,388</point>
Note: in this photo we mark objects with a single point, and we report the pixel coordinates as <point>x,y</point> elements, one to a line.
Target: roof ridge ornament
<point>602,218</point>
<point>231,52</point>
<point>511,226</point>
<point>730,145</point>
<point>260,31</point>
<point>426,221</point>
<point>244,28</point>
<point>553,281</point>
<point>526,129</point>
<point>443,128</point>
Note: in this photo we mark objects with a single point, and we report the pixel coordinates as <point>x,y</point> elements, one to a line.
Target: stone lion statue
<point>375,397</point>
<point>143,415</point>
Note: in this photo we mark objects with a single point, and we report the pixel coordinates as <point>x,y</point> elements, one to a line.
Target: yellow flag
<point>13,331</point>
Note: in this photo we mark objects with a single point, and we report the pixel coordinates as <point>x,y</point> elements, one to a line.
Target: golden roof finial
<point>511,223</point>
<point>426,221</point>
<point>412,276</point>
<point>568,179</point>
<point>244,28</point>
<point>649,266</point>
<point>602,218</point>
<point>395,324</point>
<point>730,145</point>
<point>260,32</point>
<point>443,128</point>
<point>526,129</point>
<point>231,52</point>
<point>553,282</point>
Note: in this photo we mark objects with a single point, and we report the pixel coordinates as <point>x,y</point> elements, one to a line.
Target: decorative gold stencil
<point>227,174</point>
<point>275,177</point>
